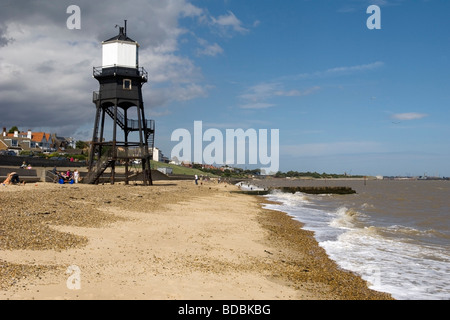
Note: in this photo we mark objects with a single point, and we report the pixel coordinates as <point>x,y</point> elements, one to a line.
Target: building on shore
<point>26,141</point>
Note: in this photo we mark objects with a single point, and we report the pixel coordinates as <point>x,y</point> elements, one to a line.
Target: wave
<point>413,232</point>
<point>366,205</point>
<point>249,187</point>
<point>384,255</point>
<point>346,218</point>
<point>406,270</point>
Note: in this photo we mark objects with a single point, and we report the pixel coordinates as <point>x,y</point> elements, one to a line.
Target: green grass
<point>178,169</point>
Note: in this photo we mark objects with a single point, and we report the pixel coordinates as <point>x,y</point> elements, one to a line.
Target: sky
<point>344,98</point>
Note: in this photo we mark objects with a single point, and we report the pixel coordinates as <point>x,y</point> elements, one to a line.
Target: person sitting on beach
<point>8,179</point>
<point>12,178</point>
<point>68,175</point>
<point>63,175</point>
<point>24,165</point>
<point>60,175</point>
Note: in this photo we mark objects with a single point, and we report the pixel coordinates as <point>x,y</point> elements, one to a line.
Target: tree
<point>81,144</point>
<point>13,129</point>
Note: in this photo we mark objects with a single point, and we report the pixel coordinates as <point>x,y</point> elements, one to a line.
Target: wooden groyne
<point>318,190</point>
<point>308,190</point>
<point>253,192</point>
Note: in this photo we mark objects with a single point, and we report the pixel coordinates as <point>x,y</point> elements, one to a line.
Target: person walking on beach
<point>196,179</point>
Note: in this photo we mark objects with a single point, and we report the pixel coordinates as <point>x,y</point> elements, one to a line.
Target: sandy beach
<point>172,240</point>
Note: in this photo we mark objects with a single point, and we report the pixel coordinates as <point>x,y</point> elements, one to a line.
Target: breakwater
<point>318,190</point>
<point>308,190</point>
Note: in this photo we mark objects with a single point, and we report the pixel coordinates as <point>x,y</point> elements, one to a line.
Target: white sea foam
<point>405,269</point>
<point>345,218</point>
<point>249,187</point>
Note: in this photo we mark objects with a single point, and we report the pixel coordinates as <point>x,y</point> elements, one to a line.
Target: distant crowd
<point>67,176</point>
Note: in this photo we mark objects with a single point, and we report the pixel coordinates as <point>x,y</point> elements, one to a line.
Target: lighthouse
<point>120,94</point>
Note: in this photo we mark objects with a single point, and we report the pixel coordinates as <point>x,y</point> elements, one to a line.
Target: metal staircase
<point>131,125</point>
<point>103,163</point>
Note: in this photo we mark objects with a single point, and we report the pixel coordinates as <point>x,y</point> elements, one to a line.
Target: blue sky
<point>344,98</point>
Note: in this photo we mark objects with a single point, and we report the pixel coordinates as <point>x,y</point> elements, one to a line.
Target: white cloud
<point>257,96</point>
<point>356,68</point>
<point>208,49</point>
<point>46,69</point>
<point>261,91</point>
<point>256,23</point>
<point>169,68</point>
<point>337,71</point>
<point>257,105</point>
<point>228,21</point>
<point>298,93</point>
<point>408,116</point>
<point>189,10</point>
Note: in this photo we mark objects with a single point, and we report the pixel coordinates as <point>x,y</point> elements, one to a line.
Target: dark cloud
<point>4,40</point>
<point>46,69</point>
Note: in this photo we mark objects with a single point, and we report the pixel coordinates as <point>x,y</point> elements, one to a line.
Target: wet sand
<point>173,240</point>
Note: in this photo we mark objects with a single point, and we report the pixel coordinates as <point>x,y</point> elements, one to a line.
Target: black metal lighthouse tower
<point>120,94</point>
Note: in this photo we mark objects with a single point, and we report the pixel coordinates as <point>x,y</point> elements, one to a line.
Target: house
<point>16,142</point>
<point>62,143</point>
<point>43,140</point>
<point>156,154</point>
<point>175,161</point>
<point>209,166</point>
<point>25,141</point>
<point>226,168</point>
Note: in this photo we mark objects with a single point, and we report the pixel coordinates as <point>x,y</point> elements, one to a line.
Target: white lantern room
<point>120,51</point>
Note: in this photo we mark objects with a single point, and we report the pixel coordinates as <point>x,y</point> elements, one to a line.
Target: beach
<point>172,240</point>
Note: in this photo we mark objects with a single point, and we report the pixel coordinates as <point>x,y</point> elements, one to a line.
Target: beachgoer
<point>7,180</point>
<point>24,165</point>
<point>76,175</point>
<point>68,175</point>
<point>196,179</point>
<point>12,178</point>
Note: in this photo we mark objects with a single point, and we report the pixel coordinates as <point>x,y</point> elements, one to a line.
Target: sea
<point>393,233</point>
